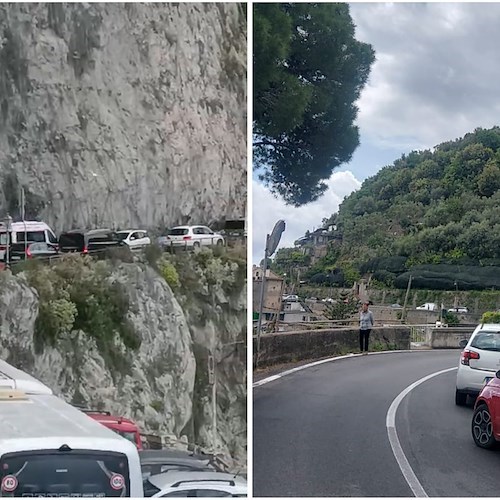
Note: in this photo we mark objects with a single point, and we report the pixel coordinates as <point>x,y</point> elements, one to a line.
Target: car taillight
<point>186,238</point>
<point>468,355</point>
<point>28,252</point>
<point>85,250</point>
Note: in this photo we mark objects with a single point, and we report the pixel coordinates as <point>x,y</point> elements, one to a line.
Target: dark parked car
<point>93,241</point>
<point>20,251</point>
<point>157,461</point>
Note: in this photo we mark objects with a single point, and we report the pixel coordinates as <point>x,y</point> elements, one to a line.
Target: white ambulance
<point>29,231</point>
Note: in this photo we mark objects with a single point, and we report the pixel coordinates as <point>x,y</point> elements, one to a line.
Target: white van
<point>30,231</point>
<point>48,448</point>
<point>428,306</point>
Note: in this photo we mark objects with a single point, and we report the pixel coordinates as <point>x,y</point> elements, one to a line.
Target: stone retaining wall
<point>313,344</point>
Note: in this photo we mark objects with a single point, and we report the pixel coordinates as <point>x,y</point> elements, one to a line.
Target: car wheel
<point>220,243</point>
<point>482,427</point>
<point>196,244</point>
<point>460,398</point>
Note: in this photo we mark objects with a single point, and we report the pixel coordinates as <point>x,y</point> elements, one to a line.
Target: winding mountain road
<point>323,431</point>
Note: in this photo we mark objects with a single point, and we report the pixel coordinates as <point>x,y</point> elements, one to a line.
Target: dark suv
<point>91,242</point>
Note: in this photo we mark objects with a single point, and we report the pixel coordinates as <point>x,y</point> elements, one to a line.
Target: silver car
<point>192,237</point>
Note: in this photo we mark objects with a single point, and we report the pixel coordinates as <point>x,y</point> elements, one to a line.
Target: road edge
<point>277,376</point>
<point>397,449</point>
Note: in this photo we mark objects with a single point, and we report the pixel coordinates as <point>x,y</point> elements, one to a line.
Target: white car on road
<point>193,236</point>
<point>195,484</point>
<point>459,309</point>
<point>479,361</point>
<point>134,238</point>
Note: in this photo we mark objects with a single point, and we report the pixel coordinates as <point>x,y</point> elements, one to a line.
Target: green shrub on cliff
<point>77,293</point>
<point>169,272</point>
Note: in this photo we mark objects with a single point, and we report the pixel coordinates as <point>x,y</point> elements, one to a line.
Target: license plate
<point>486,380</point>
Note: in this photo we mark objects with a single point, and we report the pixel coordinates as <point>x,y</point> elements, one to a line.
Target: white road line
<point>390,423</point>
<point>266,380</point>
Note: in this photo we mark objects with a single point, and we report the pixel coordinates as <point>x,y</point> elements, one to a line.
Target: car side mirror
<point>497,374</point>
<point>462,343</point>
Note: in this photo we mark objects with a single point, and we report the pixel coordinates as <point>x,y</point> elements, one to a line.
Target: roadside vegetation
<point>201,271</point>
<point>77,293</point>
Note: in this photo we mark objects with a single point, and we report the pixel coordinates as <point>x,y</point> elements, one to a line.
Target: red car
<point>122,426</point>
<point>486,419</point>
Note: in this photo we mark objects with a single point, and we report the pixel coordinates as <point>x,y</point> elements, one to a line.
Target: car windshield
<point>149,488</point>
<point>127,435</point>
<point>178,231</point>
<point>487,341</point>
<point>54,473</point>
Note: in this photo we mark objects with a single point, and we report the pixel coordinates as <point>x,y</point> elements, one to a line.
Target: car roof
<point>492,327</point>
<point>166,454</point>
<point>111,419</point>
<point>123,231</point>
<point>166,479</point>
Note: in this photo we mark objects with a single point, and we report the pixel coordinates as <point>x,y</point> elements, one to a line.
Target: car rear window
<point>149,488</point>
<point>54,473</point>
<point>71,242</point>
<point>178,232</point>
<point>487,341</point>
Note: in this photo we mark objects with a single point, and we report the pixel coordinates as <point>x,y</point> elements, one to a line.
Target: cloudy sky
<point>436,78</point>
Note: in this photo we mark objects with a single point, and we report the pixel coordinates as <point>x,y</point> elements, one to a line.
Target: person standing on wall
<point>365,327</point>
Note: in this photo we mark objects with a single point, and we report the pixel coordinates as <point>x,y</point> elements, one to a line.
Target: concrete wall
<point>314,344</point>
<point>448,338</point>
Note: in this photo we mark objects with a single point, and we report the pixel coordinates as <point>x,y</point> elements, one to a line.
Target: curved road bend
<point>322,431</point>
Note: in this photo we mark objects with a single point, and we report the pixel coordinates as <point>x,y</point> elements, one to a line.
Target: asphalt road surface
<point>322,431</point>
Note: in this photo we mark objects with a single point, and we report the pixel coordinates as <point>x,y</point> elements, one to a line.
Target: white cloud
<point>267,210</point>
<point>436,73</point>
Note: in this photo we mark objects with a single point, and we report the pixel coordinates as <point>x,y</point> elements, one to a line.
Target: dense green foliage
<point>431,207</point>
<point>491,317</point>
<point>78,293</point>
<point>309,71</point>
<point>434,215</point>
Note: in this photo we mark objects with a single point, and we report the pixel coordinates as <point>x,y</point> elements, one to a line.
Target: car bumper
<point>188,243</point>
<point>471,381</point>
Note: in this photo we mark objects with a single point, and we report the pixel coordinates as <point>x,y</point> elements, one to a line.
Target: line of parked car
<point>478,377</point>
<point>34,239</point>
<point>174,473</point>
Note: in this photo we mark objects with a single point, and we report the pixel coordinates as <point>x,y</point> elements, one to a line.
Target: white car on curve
<point>195,484</point>
<point>193,236</point>
<point>479,361</point>
<point>134,238</point>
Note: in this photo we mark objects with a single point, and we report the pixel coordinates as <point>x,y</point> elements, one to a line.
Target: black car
<point>91,242</point>
<point>158,461</point>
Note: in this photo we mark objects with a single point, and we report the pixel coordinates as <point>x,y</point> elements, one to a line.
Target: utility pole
<point>213,382</point>
<point>403,315</point>
<point>23,217</point>
<point>261,302</point>
<point>272,242</point>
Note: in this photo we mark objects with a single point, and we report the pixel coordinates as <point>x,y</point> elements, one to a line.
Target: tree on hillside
<point>309,71</point>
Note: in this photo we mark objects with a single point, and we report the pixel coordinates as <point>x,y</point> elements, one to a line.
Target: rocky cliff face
<point>165,385</point>
<point>123,114</point>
